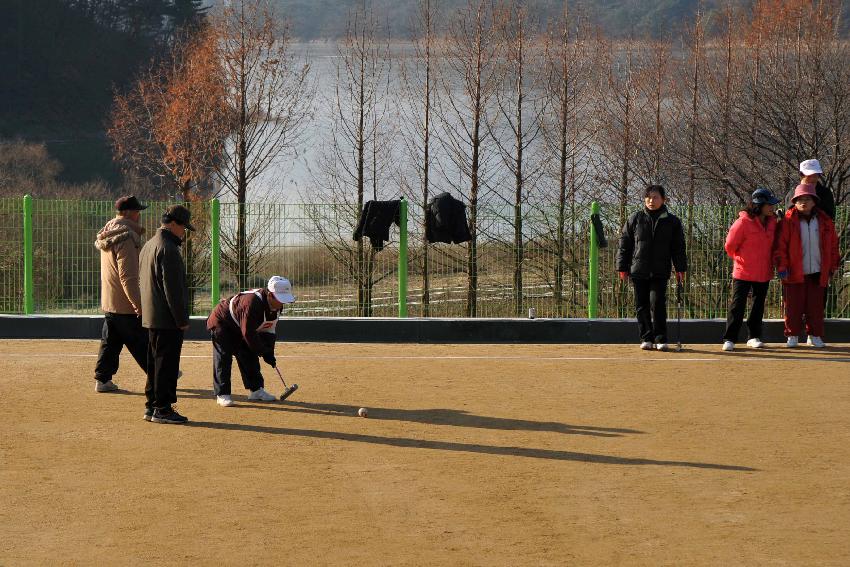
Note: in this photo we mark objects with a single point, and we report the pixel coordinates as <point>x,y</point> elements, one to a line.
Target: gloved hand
<point>624,275</point>
<point>270,359</point>
<point>783,274</point>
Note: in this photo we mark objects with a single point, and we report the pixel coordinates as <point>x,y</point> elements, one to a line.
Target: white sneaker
<point>792,342</point>
<point>755,343</point>
<point>224,401</point>
<point>646,345</point>
<point>260,395</point>
<point>661,346</point>
<point>729,346</point>
<point>108,386</point>
<point>816,342</point>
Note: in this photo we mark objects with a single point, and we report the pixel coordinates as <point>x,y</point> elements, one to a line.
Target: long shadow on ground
<point>801,353</point>
<point>462,418</point>
<point>436,416</point>
<point>463,447</point>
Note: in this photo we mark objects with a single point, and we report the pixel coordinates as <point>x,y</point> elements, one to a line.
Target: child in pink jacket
<point>749,244</point>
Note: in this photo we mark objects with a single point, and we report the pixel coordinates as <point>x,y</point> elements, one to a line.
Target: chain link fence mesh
<point>333,275</point>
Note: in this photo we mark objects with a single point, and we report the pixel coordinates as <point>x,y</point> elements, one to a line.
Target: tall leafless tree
<point>515,126</point>
<point>269,97</point>
<point>356,164</point>
<point>418,82</point>
<point>471,53</point>
<point>571,73</point>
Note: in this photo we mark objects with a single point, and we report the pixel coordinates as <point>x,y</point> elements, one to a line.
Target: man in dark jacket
<point>165,312</point>
<point>245,326</point>
<point>652,239</point>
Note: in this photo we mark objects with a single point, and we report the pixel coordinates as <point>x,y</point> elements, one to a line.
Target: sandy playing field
<point>471,455</point>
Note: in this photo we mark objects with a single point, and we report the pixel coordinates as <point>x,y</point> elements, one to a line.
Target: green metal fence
<point>11,255</point>
<point>50,244</point>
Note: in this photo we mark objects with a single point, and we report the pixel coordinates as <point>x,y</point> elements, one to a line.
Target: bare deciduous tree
<point>471,52</point>
<point>418,80</point>
<point>515,125</point>
<point>355,165</point>
<point>269,96</point>
<point>571,79</point>
<point>618,111</point>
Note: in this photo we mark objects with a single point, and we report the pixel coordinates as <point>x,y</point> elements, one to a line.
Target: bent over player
<point>245,326</point>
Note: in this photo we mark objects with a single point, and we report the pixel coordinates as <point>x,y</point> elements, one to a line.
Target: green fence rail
<point>48,262</point>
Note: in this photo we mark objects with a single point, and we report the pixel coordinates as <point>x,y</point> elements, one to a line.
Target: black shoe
<point>168,416</point>
<point>148,414</point>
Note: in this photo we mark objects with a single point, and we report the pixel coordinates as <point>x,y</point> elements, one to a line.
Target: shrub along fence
<point>48,262</point>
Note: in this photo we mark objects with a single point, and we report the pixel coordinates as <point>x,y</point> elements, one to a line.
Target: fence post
<point>215,246</point>
<point>402,259</point>
<point>593,276</point>
<point>29,286</point>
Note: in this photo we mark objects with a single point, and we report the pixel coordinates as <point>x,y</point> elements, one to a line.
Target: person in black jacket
<point>165,312</point>
<point>652,238</point>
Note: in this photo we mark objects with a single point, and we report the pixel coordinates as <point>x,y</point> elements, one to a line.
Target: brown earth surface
<point>471,455</point>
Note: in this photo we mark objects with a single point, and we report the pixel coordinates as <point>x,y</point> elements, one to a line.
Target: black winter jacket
<point>445,220</point>
<point>162,279</point>
<point>647,248</point>
<point>375,221</point>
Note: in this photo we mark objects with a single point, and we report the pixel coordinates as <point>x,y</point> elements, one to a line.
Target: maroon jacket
<point>251,313</point>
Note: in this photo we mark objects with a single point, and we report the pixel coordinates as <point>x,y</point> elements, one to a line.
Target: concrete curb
<point>418,330</point>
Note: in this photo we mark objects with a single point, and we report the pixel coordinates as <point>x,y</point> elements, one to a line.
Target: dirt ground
<point>471,455</point>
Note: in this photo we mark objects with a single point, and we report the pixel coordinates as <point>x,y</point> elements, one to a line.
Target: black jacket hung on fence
<point>648,245</point>
<point>375,221</point>
<point>445,220</point>
<point>596,220</point>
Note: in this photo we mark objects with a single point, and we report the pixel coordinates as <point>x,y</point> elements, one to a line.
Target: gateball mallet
<point>679,289</point>
<point>288,390</point>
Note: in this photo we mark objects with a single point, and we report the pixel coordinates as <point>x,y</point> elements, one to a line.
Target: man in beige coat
<point>119,243</point>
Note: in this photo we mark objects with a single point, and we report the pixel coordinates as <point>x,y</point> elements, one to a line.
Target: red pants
<point>804,299</point>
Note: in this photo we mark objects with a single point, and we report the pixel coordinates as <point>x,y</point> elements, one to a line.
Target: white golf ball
<point>363,412</point>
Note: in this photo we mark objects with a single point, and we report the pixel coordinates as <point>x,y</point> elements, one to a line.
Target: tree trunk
<point>364,303</point>
<point>518,181</point>
<point>426,167</point>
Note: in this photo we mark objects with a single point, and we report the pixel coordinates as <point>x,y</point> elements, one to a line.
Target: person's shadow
<point>782,353</point>
<point>404,442</point>
<point>435,416</point>
<point>458,418</point>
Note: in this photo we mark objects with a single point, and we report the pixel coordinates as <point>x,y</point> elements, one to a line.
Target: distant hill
<point>327,19</point>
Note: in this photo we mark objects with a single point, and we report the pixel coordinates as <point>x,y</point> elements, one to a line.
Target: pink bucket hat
<point>804,189</point>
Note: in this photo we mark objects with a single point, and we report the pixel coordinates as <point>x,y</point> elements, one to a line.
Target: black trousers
<point>164,347</point>
<point>651,307</point>
<point>120,330</point>
<point>249,366</point>
<point>740,291</point>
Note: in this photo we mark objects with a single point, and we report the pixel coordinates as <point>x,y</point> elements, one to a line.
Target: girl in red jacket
<point>749,244</point>
<point>806,256</point>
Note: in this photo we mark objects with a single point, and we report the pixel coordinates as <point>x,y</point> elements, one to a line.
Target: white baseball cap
<point>281,289</point>
<point>810,167</point>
